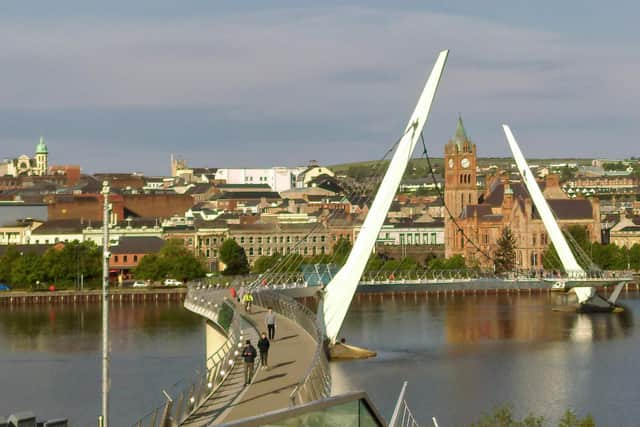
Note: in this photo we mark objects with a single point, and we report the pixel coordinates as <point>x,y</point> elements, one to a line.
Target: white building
<point>278,178</point>
<point>413,234</point>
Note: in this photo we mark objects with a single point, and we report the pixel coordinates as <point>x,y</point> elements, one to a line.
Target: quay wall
<point>92,296</point>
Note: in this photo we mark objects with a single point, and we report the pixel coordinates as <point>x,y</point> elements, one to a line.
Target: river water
<point>460,355</point>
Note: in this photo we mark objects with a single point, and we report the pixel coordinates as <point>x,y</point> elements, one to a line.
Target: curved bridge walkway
<point>290,355</point>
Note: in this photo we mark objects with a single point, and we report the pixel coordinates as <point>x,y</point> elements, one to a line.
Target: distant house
<point>126,255</point>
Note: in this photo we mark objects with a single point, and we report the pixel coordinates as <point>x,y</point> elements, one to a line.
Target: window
<point>288,239</point>
<point>485,238</point>
<point>322,239</point>
<point>259,239</point>
<point>242,239</point>
<point>433,238</point>
<point>281,239</point>
<point>268,239</point>
<point>207,253</point>
<point>135,257</point>
<point>260,250</point>
<point>402,238</point>
<point>250,251</point>
<point>207,241</point>
<point>115,258</point>
<point>250,239</point>
<point>417,238</point>
<point>125,258</point>
<point>534,240</point>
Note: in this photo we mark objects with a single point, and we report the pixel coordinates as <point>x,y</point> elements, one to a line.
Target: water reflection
<point>480,318</point>
<point>73,328</point>
<point>462,355</point>
<point>51,358</point>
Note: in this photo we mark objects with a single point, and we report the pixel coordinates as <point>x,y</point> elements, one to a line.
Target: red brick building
<point>126,255</point>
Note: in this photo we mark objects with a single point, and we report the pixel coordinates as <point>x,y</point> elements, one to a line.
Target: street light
<point>104,419</point>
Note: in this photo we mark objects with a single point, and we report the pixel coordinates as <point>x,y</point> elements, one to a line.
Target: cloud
<point>339,75</point>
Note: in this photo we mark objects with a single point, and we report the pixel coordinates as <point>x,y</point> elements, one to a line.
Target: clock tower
<point>460,187</point>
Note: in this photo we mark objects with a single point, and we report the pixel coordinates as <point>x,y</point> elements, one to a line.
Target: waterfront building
<point>478,219</point>
<point>127,253</point>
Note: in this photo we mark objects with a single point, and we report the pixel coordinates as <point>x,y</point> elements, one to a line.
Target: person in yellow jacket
<point>247,300</point>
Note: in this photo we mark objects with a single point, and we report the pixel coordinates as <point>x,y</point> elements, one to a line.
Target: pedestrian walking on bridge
<point>270,320</point>
<point>263,346</point>
<point>247,300</point>
<point>249,354</point>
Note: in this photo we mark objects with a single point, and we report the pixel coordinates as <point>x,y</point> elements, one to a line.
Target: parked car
<point>4,287</point>
<point>172,282</point>
<point>139,284</point>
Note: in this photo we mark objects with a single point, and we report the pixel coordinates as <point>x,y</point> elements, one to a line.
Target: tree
<point>27,270</point>
<point>234,257</point>
<point>6,263</point>
<point>173,260</point>
<point>150,267</point>
<point>264,263</point>
<point>505,255</point>
<point>502,416</point>
<point>341,250</point>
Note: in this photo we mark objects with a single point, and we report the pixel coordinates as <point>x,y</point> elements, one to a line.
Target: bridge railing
<point>188,395</point>
<point>316,383</point>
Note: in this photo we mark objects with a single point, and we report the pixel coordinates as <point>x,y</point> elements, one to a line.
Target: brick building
<point>504,203</point>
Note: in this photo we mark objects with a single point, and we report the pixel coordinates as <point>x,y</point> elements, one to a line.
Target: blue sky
<point>119,85</point>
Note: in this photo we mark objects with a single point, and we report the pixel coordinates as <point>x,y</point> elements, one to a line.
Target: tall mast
<point>105,305</point>
<point>569,262</point>
<point>339,292</point>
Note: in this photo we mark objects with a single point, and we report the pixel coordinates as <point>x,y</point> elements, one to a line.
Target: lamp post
<point>104,419</point>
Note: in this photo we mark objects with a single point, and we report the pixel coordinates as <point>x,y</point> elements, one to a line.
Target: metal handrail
<point>316,383</point>
<point>185,400</point>
<point>402,415</point>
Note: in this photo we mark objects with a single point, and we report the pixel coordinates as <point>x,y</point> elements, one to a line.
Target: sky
<point>119,85</point>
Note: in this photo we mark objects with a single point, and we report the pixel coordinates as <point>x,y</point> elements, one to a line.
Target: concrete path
<point>232,387</point>
<point>290,357</point>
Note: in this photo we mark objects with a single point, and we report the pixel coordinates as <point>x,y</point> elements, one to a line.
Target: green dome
<point>42,147</point>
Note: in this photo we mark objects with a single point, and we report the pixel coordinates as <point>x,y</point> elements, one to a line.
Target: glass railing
<point>186,396</point>
<point>316,383</point>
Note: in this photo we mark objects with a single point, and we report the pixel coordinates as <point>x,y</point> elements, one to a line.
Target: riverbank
<point>93,296</point>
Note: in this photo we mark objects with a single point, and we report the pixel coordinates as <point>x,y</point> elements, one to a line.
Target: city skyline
<point>281,85</point>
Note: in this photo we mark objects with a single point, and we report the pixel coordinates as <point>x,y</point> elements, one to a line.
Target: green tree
<point>173,260</point>
<point>150,267</point>
<point>341,250</point>
<point>570,419</point>
<point>27,269</point>
<point>264,263</point>
<point>505,255</point>
<point>234,257</point>
<point>456,262</point>
<point>6,263</point>
<point>502,416</point>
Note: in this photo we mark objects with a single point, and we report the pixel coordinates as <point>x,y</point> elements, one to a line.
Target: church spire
<point>460,132</point>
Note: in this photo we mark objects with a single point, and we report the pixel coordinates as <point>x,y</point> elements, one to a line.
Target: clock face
<point>465,163</point>
<point>450,163</point>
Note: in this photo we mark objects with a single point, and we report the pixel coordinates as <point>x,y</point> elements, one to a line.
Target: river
<point>460,355</point>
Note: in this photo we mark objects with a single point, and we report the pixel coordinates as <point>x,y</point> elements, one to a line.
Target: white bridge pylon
<point>340,290</point>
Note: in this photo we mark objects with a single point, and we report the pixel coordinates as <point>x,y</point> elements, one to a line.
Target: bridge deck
<point>290,356</point>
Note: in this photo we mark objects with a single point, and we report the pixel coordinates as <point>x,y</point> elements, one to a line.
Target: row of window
<point>125,258</point>
<point>415,238</point>
<point>281,239</point>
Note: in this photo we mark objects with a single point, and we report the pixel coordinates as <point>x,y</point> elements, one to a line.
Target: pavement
<point>290,356</point>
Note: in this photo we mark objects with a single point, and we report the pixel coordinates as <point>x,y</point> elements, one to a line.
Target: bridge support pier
<point>214,339</point>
